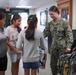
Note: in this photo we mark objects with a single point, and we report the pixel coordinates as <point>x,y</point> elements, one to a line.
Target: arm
<point>69,36</point>
<point>46,31</point>
<point>19,42</point>
<point>12,48</point>
<point>7,33</point>
<point>42,44</point>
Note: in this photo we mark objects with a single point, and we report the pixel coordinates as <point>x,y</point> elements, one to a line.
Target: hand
<point>17,51</point>
<point>68,49</point>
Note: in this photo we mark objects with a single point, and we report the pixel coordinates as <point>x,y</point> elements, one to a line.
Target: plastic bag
<point>42,59</point>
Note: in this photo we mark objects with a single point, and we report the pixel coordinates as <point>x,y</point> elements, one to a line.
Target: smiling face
<point>54,12</point>
<point>53,15</point>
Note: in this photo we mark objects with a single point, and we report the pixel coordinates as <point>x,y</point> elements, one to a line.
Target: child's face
<point>18,22</point>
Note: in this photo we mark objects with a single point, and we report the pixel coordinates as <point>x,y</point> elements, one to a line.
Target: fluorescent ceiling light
<point>23,6</point>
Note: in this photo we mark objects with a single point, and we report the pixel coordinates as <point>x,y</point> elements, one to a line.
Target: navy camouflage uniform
<point>62,38</point>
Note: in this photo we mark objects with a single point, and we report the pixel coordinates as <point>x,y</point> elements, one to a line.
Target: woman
<point>30,38</point>
<point>11,33</point>
<point>3,47</point>
<point>62,37</point>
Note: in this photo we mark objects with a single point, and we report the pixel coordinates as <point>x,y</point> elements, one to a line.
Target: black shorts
<point>3,63</point>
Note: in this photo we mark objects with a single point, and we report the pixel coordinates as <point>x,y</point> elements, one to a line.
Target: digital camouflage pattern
<point>62,38</point>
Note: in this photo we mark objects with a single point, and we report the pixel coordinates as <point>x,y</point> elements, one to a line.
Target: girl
<point>30,38</point>
<point>12,35</point>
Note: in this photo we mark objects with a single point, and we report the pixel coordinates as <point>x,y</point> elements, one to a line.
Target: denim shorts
<point>31,65</point>
<point>14,57</point>
<point>3,63</point>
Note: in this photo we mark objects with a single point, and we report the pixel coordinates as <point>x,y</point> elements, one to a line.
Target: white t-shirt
<point>12,33</point>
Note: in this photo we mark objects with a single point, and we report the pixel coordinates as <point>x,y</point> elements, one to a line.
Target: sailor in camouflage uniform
<point>62,37</point>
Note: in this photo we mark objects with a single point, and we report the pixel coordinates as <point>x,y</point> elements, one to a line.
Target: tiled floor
<point>46,71</point>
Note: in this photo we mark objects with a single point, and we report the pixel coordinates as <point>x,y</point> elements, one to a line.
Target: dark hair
<point>32,22</point>
<point>2,15</point>
<point>54,9</point>
<point>15,17</point>
<point>19,29</point>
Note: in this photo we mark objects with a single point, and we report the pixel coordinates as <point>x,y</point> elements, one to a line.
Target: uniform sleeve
<point>68,34</point>
<point>46,31</point>
<point>19,42</point>
<point>42,44</point>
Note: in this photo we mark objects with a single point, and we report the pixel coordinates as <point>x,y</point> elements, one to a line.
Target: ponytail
<point>32,21</point>
<point>18,29</point>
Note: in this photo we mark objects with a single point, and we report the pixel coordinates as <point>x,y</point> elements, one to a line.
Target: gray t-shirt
<point>3,48</point>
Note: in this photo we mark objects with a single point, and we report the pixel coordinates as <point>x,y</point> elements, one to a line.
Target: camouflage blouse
<point>62,36</point>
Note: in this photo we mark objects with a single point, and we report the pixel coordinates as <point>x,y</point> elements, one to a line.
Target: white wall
<point>43,8</point>
<point>31,11</point>
<point>74,15</point>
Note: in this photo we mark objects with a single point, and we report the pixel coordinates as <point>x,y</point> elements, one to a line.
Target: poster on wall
<point>43,18</point>
<point>64,13</point>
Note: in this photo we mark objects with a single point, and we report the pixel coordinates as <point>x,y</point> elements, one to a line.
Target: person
<point>62,37</point>
<point>11,33</point>
<point>28,42</point>
<point>3,46</point>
